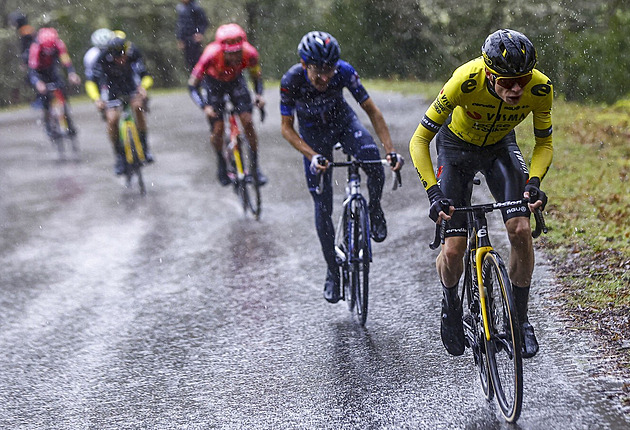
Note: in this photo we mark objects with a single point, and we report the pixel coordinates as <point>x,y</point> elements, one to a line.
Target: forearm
<point>541,157</point>
<point>421,156</point>
<point>289,133</point>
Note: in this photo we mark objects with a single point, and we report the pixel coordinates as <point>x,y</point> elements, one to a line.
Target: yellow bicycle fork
<point>129,128</point>
<point>479,255</point>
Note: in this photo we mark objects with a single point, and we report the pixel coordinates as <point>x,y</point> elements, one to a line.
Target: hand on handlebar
<point>259,101</point>
<point>319,164</point>
<point>210,112</point>
<point>441,210</point>
<point>74,78</point>
<point>537,198</point>
<point>396,161</point>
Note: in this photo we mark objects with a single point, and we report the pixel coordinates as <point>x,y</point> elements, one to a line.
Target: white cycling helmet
<point>101,36</point>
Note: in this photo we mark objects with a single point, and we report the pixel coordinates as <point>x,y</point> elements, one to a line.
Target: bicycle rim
<point>342,247</point>
<point>473,329</point>
<point>141,185</point>
<point>243,194</point>
<point>254,196</point>
<point>360,260</point>
<point>504,347</point>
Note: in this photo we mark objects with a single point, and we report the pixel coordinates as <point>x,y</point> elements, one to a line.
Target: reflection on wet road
<point>175,311</point>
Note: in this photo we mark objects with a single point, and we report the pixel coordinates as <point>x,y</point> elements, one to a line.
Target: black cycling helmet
<point>17,19</point>
<point>508,53</point>
<point>116,46</point>
<point>319,47</point>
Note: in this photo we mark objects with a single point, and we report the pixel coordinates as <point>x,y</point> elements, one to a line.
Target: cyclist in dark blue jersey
<point>313,90</point>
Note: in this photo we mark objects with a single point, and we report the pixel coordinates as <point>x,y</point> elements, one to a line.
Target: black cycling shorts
<point>236,90</point>
<point>502,164</point>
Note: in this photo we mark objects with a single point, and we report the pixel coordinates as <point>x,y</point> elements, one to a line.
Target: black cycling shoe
<point>262,178</point>
<point>119,165</point>
<point>530,344</point>
<point>451,327</point>
<point>259,176</point>
<point>222,171</point>
<point>378,225</point>
<point>148,156</point>
<point>331,287</point>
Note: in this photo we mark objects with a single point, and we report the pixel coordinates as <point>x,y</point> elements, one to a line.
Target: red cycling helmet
<point>47,37</point>
<point>231,37</point>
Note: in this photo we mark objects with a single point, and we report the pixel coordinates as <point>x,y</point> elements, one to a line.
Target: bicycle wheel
<point>342,246</point>
<point>360,258</point>
<point>253,193</point>
<point>504,347</point>
<point>473,328</point>
<point>55,130</point>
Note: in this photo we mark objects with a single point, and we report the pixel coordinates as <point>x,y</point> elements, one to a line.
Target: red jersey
<point>211,63</point>
<point>42,60</point>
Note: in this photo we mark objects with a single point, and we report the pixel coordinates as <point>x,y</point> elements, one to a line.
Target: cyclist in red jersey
<point>219,70</point>
<point>44,54</point>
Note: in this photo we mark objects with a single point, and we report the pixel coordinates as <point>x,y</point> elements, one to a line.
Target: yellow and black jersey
<point>480,117</point>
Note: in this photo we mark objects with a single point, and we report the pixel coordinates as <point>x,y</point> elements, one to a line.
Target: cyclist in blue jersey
<point>313,89</point>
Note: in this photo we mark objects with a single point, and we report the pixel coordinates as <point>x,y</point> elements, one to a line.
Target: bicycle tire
<point>473,328</point>
<point>135,167</point>
<point>253,194</point>
<point>243,194</point>
<point>360,258</point>
<point>504,347</point>
<point>342,245</point>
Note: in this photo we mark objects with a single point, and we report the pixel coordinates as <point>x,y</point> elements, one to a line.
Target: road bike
<point>353,245</point>
<point>133,151</point>
<point>246,184</point>
<point>57,126</point>
<point>490,320</point>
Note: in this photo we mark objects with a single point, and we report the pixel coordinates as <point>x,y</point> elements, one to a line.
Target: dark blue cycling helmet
<point>319,47</point>
<point>509,53</point>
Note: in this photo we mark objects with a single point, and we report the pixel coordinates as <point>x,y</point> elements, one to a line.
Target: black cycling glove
<point>535,193</point>
<point>439,203</point>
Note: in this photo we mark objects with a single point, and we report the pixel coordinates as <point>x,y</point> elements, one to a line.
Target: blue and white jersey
<point>315,108</point>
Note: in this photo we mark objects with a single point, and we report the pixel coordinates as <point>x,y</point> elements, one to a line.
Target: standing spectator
<point>26,34</point>
<point>191,25</point>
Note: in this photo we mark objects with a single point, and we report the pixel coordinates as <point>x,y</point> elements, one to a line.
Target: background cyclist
<point>115,74</point>
<point>44,54</point>
<point>313,89</point>
<point>99,39</point>
<point>219,70</point>
<point>192,23</point>
<point>474,117</point>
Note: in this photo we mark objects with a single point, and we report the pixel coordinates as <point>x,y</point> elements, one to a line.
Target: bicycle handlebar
<point>395,174</point>
<point>541,227</point>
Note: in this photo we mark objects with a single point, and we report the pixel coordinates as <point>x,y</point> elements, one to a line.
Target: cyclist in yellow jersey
<point>473,120</point>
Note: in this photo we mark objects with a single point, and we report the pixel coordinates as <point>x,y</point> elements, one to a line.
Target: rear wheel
<point>504,348</point>
<point>360,258</point>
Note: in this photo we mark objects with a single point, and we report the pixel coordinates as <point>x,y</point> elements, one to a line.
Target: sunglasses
<point>509,82</point>
<point>323,70</point>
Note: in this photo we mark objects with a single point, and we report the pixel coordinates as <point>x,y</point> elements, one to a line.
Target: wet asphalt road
<point>174,311</point>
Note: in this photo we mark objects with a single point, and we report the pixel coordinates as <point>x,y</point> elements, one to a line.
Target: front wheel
<point>473,328</point>
<point>504,347</point>
<point>360,257</point>
<point>253,191</point>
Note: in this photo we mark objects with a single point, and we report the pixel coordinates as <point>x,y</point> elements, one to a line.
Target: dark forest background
<point>582,45</point>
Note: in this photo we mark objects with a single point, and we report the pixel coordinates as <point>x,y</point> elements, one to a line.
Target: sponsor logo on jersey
<point>473,115</point>
<point>541,90</point>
